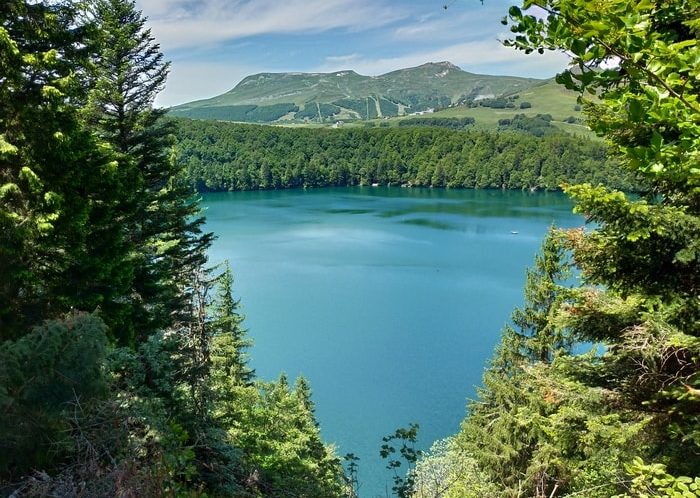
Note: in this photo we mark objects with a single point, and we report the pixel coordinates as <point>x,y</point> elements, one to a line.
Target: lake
<point>389,300</point>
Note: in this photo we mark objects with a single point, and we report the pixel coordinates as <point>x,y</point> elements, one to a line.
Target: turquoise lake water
<point>389,300</point>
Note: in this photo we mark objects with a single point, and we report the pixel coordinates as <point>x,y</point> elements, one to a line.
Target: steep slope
<point>319,97</point>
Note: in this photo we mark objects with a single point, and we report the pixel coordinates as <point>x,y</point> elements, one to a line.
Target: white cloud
<point>193,23</point>
<point>451,24</point>
<point>343,59</point>
<point>482,56</point>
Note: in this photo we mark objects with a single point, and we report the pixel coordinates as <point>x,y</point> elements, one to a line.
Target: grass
<point>548,98</point>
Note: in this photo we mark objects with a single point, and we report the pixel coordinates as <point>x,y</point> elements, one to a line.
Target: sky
<point>213,44</point>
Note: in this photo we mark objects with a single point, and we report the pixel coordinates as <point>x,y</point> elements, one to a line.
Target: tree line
<point>226,156</point>
<point>123,355</point>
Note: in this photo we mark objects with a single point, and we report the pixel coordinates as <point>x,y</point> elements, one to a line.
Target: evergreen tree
<point>585,424</point>
<point>95,214</point>
<point>545,293</point>
<point>302,390</point>
<point>159,212</point>
<point>506,425</point>
<point>56,364</point>
<point>230,341</point>
<point>130,72</point>
<point>58,188</point>
<point>641,266</point>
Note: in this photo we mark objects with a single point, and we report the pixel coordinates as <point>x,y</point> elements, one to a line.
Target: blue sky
<point>213,44</point>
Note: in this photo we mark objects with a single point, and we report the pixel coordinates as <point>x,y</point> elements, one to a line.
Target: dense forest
<point>123,354</point>
<point>123,367</point>
<point>226,156</point>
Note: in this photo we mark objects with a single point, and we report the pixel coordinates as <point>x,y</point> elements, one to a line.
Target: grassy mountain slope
<point>326,97</point>
<point>544,98</point>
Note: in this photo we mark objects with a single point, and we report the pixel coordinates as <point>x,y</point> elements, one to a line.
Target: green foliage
<point>243,113</point>
<point>404,483</point>
<point>268,113</point>
<point>539,125</point>
<point>150,393</point>
<point>156,207</point>
<point>648,99</point>
<point>447,471</point>
<point>559,423</point>
<point>358,106</point>
<point>53,230</point>
<point>351,474</point>
<point>283,452</point>
<point>498,103</point>
<point>223,156</point>
<point>229,345</point>
<point>540,337</point>
<point>451,123</point>
<point>388,107</point>
<point>653,480</point>
<point>315,111</point>
<point>58,363</point>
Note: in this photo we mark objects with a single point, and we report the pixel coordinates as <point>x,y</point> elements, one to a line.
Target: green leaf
<point>6,148</point>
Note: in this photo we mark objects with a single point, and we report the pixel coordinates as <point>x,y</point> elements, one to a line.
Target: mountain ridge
<point>347,95</point>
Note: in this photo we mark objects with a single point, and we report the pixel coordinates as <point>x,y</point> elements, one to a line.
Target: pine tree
<point>302,390</point>
<point>58,188</point>
<point>641,265</point>
<point>130,72</point>
<point>161,215</point>
<point>538,332</point>
<point>230,341</point>
<point>505,427</point>
<point>57,363</point>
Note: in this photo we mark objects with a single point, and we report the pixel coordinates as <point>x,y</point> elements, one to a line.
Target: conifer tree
<point>641,265</point>
<point>58,248</point>
<point>57,363</point>
<point>302,390</point>
<point>587,424</point>
<point>537,331</point>
<point>230,340</point>
<point>505,425</point>
<point>158,208</point>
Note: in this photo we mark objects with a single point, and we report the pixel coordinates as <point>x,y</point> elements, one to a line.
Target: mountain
<point>347,95</point>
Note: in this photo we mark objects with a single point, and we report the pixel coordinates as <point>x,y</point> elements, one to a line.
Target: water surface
<point>388,300</point>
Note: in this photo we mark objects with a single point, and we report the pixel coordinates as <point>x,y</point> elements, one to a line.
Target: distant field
<point>548,98</point>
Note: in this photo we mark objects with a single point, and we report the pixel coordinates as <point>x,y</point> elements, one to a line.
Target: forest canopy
<point>226,156</point>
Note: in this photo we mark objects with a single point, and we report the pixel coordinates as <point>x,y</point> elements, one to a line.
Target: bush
<point>41,374</point>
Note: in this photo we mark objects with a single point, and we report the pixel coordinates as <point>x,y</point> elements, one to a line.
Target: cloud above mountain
<point>188,23</point>
<point>469,55</point>
<point>214,43</point>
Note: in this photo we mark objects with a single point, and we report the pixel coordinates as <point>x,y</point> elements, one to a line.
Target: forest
<point>123,356</point>
<point>123,352</point>
<point>227,156</point>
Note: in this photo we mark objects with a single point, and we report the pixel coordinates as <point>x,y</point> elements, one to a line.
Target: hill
<point>547,98</point>
<point>347,95</point>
